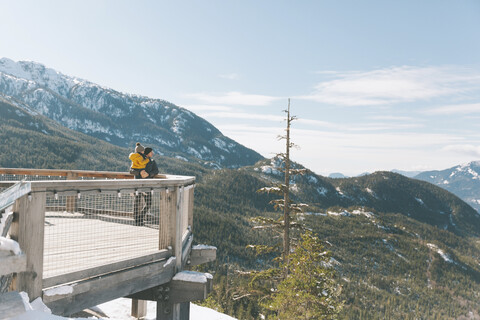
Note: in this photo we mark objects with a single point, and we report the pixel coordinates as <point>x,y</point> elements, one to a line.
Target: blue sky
<point>376,85</point>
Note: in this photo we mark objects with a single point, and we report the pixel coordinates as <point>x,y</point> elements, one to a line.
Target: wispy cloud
<point>317,123</point>
<point>243,115</point>
<point>467,149</point>
<point>366,127</point>
<point>454,109</point>
<point>395,85</point>
<point>205,107</point>
<point>235,98</point>
<point>392,118</point>
<point>229,76</point>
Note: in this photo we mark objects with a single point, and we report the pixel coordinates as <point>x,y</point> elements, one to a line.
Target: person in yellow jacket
<point>139,161</point>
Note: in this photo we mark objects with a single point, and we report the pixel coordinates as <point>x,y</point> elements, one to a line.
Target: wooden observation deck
<point>85,240</point>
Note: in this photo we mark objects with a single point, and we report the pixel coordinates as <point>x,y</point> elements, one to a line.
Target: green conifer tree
<point>309,290</point>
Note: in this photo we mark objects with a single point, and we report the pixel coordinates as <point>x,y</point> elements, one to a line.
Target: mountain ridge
<point>120,118</point>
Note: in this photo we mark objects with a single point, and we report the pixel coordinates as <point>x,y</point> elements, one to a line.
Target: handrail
<point>71,173</point>
<point>10,195</point>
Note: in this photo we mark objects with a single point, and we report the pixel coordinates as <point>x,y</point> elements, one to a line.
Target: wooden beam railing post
<point>178,227</point>
<point>71,201</point>
<point>190,207</point>
<point>28,230</point>
<point>175,199</point>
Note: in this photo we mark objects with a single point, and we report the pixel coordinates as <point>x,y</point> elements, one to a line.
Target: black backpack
<point>151,168</point>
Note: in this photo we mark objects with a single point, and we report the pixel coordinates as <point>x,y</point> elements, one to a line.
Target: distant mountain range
<point>462,180</point>
<point>383,191</point>
<point>119,118</point>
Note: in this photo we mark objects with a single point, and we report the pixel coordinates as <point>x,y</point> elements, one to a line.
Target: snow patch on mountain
<point>322,191</point>
<point>420,201</point>
<point>442,253</point>
<point>372,193</point>
<point>356,212</point>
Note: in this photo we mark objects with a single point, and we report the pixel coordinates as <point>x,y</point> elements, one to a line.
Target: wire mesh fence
<point>86,231</point>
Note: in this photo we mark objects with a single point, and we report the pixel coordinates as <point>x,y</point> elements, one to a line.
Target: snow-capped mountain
<point>119,118</point>
<point>462,180</point>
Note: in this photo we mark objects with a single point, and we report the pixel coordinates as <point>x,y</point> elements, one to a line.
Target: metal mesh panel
<point>91,230</point>
<point>19,177</point>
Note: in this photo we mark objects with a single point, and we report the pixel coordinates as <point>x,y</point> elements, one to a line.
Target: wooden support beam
<point>78,296</point>
<point>189,286</point>
<point>71,201</point>
<point>11,305</point>
<point>28,230</point>
<point>187,247</point>
<point>184,311</point>
<point>139,308</point>
<point>202,254</point>
<point>190,190</point>
<point>177,237</point>
<point>104,269</point>
<point>167,311</point>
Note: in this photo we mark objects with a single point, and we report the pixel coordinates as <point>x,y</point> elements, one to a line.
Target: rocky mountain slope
<point>31,140</point>
<point>119,118</point>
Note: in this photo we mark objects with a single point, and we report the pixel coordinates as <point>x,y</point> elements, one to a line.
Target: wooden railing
<point>32,211</point>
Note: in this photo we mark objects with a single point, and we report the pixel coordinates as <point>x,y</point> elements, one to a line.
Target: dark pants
<point>138,211</point>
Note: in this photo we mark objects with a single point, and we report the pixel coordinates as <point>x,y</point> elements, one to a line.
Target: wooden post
<point>164,221</point>
<point>190,207</point>
<point>185,311</point>
<point>165,309</point>
<point>71,203</point>
<point>28,230</point>
<point>139,308</point>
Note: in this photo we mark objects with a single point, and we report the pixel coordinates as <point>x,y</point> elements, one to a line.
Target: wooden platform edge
<point>75,297</point>
<point>108,268</point>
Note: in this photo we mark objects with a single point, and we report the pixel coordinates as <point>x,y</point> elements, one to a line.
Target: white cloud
<point>235,98</point>
<point>205,107</point>
<point>229,76</point>
<point>455,109</point>
<point>316,123</point>
<point>466,149</point>
<point>242,115</point>
<point>395,85</point>
<point>392,118</point>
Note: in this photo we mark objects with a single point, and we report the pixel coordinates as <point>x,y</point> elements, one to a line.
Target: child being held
<point>139,160</point>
